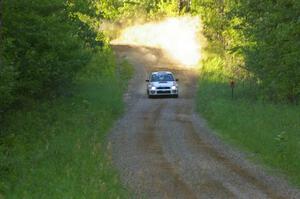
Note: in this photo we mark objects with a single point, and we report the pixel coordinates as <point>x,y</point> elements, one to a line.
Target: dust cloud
<point>178,36</point>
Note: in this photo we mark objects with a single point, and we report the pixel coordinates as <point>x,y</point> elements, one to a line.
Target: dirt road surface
<point>163,149</point>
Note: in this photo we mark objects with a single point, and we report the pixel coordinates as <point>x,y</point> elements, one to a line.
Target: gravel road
<point>163,149</point>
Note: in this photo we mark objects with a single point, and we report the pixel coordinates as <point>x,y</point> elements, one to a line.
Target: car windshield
<point>162,77</point>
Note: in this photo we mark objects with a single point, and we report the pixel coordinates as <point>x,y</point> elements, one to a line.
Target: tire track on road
<point>163,150</point>
<point>151,146</point>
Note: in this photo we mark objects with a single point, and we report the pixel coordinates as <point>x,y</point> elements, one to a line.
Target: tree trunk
<point>184,4</point>
<point>1,14</point>
<point>1,11</point>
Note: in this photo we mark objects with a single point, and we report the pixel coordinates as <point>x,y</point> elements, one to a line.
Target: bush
<point>7,86</point>
<point>57,149</point>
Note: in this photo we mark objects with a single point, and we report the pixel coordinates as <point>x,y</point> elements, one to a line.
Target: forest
<point>48,46</point>
<point>256,40</point>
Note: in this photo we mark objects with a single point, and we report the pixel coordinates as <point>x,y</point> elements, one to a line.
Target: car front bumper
<point>159,92</point>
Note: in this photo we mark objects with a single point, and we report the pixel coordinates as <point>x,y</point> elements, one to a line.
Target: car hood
<point>163,84</point>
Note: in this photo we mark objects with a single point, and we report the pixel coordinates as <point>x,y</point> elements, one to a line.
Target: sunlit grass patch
<point>268,131</point>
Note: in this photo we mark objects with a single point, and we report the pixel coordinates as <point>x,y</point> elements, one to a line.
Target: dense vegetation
<point>45,43</point>
<point>37,38</point>
<point>254,43</point>
<point>57,149</point>
<point>59,95</point>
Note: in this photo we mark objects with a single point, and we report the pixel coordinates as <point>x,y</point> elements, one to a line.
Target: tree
<point>259,36</point>
<point>184,5</point>
<point>41,47</point>
<point>1,8</point>
<point>273,27</point>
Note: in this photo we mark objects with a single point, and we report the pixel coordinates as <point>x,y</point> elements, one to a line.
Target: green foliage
<point>273,28</point>
<point>269,133</point>
<point>168,8</point>
<point>100,66</point>
<point>254,43</point>
<point>257,40</point>
<point>108,9</point>
<point>126,11</point>
<point>86,17</point>
<point>7,86</point>
<point>54,148</point>
<point>57,149</point>
<point>42,48</point>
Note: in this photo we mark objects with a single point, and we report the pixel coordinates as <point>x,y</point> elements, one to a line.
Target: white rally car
<point>162,83</point>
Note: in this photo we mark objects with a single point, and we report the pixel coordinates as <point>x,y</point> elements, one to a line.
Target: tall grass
<point>57,148</point>
<point>269,131</point>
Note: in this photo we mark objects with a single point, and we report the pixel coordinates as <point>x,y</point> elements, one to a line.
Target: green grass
<point>57,149</point>
<point>271,132</point>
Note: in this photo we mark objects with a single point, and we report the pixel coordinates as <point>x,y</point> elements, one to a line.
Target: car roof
<point>162,72</point>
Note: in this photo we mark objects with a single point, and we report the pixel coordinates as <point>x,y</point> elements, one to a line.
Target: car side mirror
<point>177,80</point>
<point>147,80</point>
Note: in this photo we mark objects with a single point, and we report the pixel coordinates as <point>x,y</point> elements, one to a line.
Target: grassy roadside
<point>269,131</point>
<point>57,149</point>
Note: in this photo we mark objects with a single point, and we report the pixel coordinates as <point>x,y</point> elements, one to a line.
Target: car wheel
<point>175,96</point>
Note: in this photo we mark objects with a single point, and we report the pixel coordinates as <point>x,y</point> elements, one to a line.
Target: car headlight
<point>174,87</point>
<point>153,88</point>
